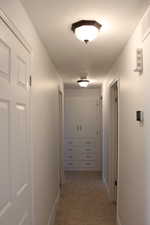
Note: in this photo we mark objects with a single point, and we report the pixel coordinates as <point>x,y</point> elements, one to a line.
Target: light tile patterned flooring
<point>84,201</point>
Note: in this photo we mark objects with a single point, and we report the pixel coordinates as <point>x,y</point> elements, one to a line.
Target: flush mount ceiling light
<point>83,82</point>
<point>86,30</point>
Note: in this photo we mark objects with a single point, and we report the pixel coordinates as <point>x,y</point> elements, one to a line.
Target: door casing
<point>61,154</point>
<point>114,153</point>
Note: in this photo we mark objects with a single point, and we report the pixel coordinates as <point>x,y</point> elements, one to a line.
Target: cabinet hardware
<point>30,80</point>
<point>78,128</point>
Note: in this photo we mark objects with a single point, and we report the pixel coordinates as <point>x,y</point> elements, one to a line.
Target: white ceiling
<point>72,58</point>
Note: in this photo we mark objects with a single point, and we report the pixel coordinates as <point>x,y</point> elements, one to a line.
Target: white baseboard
<point>52,216</point>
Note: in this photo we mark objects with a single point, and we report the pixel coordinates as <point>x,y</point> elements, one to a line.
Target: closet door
<point>15,186</point>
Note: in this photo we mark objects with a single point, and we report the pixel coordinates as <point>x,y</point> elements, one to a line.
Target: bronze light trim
<point>85,23</point>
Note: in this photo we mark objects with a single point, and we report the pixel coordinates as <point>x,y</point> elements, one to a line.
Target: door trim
<point>12,27</point>
<point>61,138</point>
<point>112,85</point>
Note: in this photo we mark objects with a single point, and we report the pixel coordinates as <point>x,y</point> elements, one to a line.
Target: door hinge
<point>116,99</point>
<point>30,81</point>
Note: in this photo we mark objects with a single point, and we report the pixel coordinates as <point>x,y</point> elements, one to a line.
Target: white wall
<point>44,116</point>
<point>134,140</point>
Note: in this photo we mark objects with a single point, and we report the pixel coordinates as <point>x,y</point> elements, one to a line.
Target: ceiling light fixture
<point>86,30</point>
<point>83,82</point>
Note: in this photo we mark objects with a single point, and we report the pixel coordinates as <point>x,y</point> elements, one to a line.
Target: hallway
<point>74,112</point>
<point>84,201</point>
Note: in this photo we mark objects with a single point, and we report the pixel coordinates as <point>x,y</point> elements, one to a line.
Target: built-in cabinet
<point>82,150</point>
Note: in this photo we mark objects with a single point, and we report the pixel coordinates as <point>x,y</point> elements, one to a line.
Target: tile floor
<point>84,201</point>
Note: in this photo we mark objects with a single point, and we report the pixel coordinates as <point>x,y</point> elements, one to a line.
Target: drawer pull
<point>70,164</point>
<point>70,149</point>
<point>88,164</point>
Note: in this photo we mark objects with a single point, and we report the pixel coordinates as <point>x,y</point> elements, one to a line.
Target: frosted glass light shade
<point>86,32</point>
<point>83,83</point>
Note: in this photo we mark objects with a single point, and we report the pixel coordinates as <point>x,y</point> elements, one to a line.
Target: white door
<point>15,187</point>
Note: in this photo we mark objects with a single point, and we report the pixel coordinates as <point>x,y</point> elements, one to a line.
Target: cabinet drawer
<point>69,142</point>
<point>72,150</point>
<point>88,164</point>
<point>69,150</point>
<point>88,156</point>
<point>71,164</point>
<point>88,149</point>
<point>75,155</point>
<point>72,141</point>
<point>69,157</point>
<point>89,142</point>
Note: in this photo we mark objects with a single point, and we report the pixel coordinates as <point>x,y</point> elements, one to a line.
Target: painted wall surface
<point>134,139</point>
<point>44,116</point>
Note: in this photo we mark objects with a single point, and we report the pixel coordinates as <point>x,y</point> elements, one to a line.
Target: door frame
<point>19,36</point>
<point>12,27</point>
<point>61,138</point>
<point>114,151</point>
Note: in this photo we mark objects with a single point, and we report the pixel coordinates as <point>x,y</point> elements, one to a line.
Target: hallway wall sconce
<point>83,82</point>
<point>86,30</point>
<point>139,61</point>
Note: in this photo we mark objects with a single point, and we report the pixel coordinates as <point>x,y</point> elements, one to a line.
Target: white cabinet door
<point>15,198</point>
<point>82,126</point>
<point>81,116</point>
<point>87,117</point>
<point>72,117</point>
